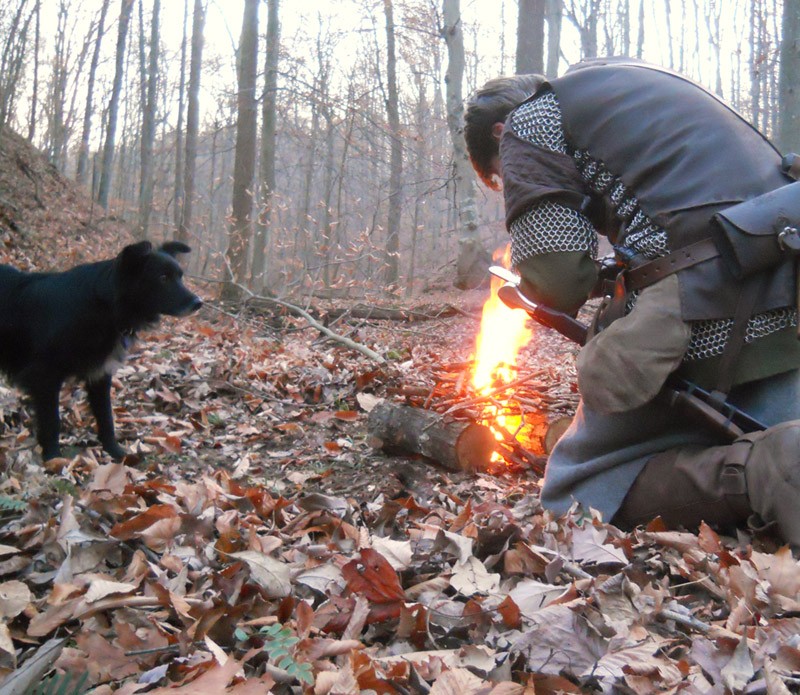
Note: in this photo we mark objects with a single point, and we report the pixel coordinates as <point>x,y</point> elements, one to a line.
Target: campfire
<point>503,333</point>
<point>486,414</point>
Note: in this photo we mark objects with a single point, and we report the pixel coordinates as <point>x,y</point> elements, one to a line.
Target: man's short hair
<point>489,105</point>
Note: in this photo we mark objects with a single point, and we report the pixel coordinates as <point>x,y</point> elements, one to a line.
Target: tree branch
<point>297,311</point>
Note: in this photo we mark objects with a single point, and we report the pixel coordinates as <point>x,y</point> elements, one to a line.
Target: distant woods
<point>317,147</point>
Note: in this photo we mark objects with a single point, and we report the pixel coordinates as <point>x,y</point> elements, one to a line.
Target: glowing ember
<point>503,333</point>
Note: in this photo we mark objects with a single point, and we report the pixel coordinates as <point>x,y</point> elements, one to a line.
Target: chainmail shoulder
<point>538,121</point>
<point>548,226</point>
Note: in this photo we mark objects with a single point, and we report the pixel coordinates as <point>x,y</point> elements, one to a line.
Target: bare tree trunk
<point>178,179</point>
<point>771,77</point>
<point>640,36</point>
<point>245,159</point>
<point>336,226</point>
<point>212,180</point>
<point>682,45</point>
<point>502,37</point>
<point>589,32</point>
<point>419,176</point>
<point>473,260</point>
<point>668,18</point>
<point>111,127</point>
<point>149,127</point>
<point>57,91</point>
<point>82,173</point>
<point>554,13</point>
<point>392,275</point>
<point>755,60</point>
<point>625,20</point>
<point>789,81</point>
<point>11,62</point>
<point>530,37</point>
<point>304,219</point>
<point>268,145</point>
<point>715,38</point>
<point>75,71</point>
<point>585,15</point>
<point>328,249</point>
<point>192,119</point>
<point>34,103</point>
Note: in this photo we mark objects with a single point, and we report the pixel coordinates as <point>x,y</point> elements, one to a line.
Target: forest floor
<point>260,540</point>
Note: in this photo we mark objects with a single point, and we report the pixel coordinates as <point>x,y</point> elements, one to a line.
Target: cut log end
<point>456,445</point>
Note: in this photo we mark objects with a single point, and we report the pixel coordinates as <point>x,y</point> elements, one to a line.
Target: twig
<point>685,620</point>
<point>459,403</point>
<point>363,349</point>
<point>569,567</point>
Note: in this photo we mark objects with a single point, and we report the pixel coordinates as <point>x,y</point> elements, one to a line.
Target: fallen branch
<point>352,344</point>
<point>297,311</point>
<point>423,313</point>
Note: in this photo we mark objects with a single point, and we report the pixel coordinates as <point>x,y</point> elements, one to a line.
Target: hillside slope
<point>46,221</point>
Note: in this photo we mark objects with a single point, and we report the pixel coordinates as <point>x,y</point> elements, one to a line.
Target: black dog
<point>81,323</point>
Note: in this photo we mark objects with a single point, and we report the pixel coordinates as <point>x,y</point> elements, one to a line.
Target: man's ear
<point>497,130</point>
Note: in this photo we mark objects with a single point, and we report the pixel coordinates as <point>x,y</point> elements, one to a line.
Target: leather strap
<point>744,310</point>
<point>653,271</point>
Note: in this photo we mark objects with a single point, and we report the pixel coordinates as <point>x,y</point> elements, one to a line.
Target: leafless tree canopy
<point>350,174</point>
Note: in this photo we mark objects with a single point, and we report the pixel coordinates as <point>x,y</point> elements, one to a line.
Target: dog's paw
<point>115,451</point>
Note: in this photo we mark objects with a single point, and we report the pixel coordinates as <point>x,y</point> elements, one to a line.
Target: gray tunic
<point>551,189</point>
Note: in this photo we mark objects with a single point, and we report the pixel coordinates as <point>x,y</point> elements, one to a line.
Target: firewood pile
<point>525,416</point>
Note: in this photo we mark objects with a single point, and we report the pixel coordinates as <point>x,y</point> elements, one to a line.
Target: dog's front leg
<point>45,403</point>
<point>100,401</point>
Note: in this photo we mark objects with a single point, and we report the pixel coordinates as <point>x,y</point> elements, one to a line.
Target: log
<point>455,444</point>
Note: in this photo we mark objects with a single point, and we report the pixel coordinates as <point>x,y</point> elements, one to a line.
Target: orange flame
<point>503,333</point>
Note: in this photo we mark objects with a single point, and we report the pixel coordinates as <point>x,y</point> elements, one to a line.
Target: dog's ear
<point>134,254</point>
<point>172,248</point>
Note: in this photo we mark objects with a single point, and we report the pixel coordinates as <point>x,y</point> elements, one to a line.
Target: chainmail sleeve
<point>548,225</point>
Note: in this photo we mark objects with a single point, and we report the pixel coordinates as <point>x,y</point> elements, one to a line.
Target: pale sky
<point>300,20</point>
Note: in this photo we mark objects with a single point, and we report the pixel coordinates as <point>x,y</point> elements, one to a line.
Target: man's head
<point>489,106</point>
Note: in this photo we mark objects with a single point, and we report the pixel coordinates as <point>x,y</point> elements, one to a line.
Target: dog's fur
<point>80,323</point>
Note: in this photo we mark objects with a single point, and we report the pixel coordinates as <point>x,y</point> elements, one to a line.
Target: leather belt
<point>653,271</point>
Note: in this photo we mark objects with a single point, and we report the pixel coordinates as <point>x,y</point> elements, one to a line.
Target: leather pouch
<point>759,233</point>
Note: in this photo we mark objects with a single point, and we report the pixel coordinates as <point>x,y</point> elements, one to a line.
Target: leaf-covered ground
<point>257,541</point>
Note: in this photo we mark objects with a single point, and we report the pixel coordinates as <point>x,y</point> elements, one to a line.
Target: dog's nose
<point>195,304</point>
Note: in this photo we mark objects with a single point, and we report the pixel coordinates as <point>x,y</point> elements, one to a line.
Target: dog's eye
<point>164,278</point>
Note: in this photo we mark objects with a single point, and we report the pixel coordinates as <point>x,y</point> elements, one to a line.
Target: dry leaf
<point>100,588</point>
<point>459,681</point>
<point>271,574</point>
<point>738,672</point>
<point>471,577</point>
<point>14,598</point>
